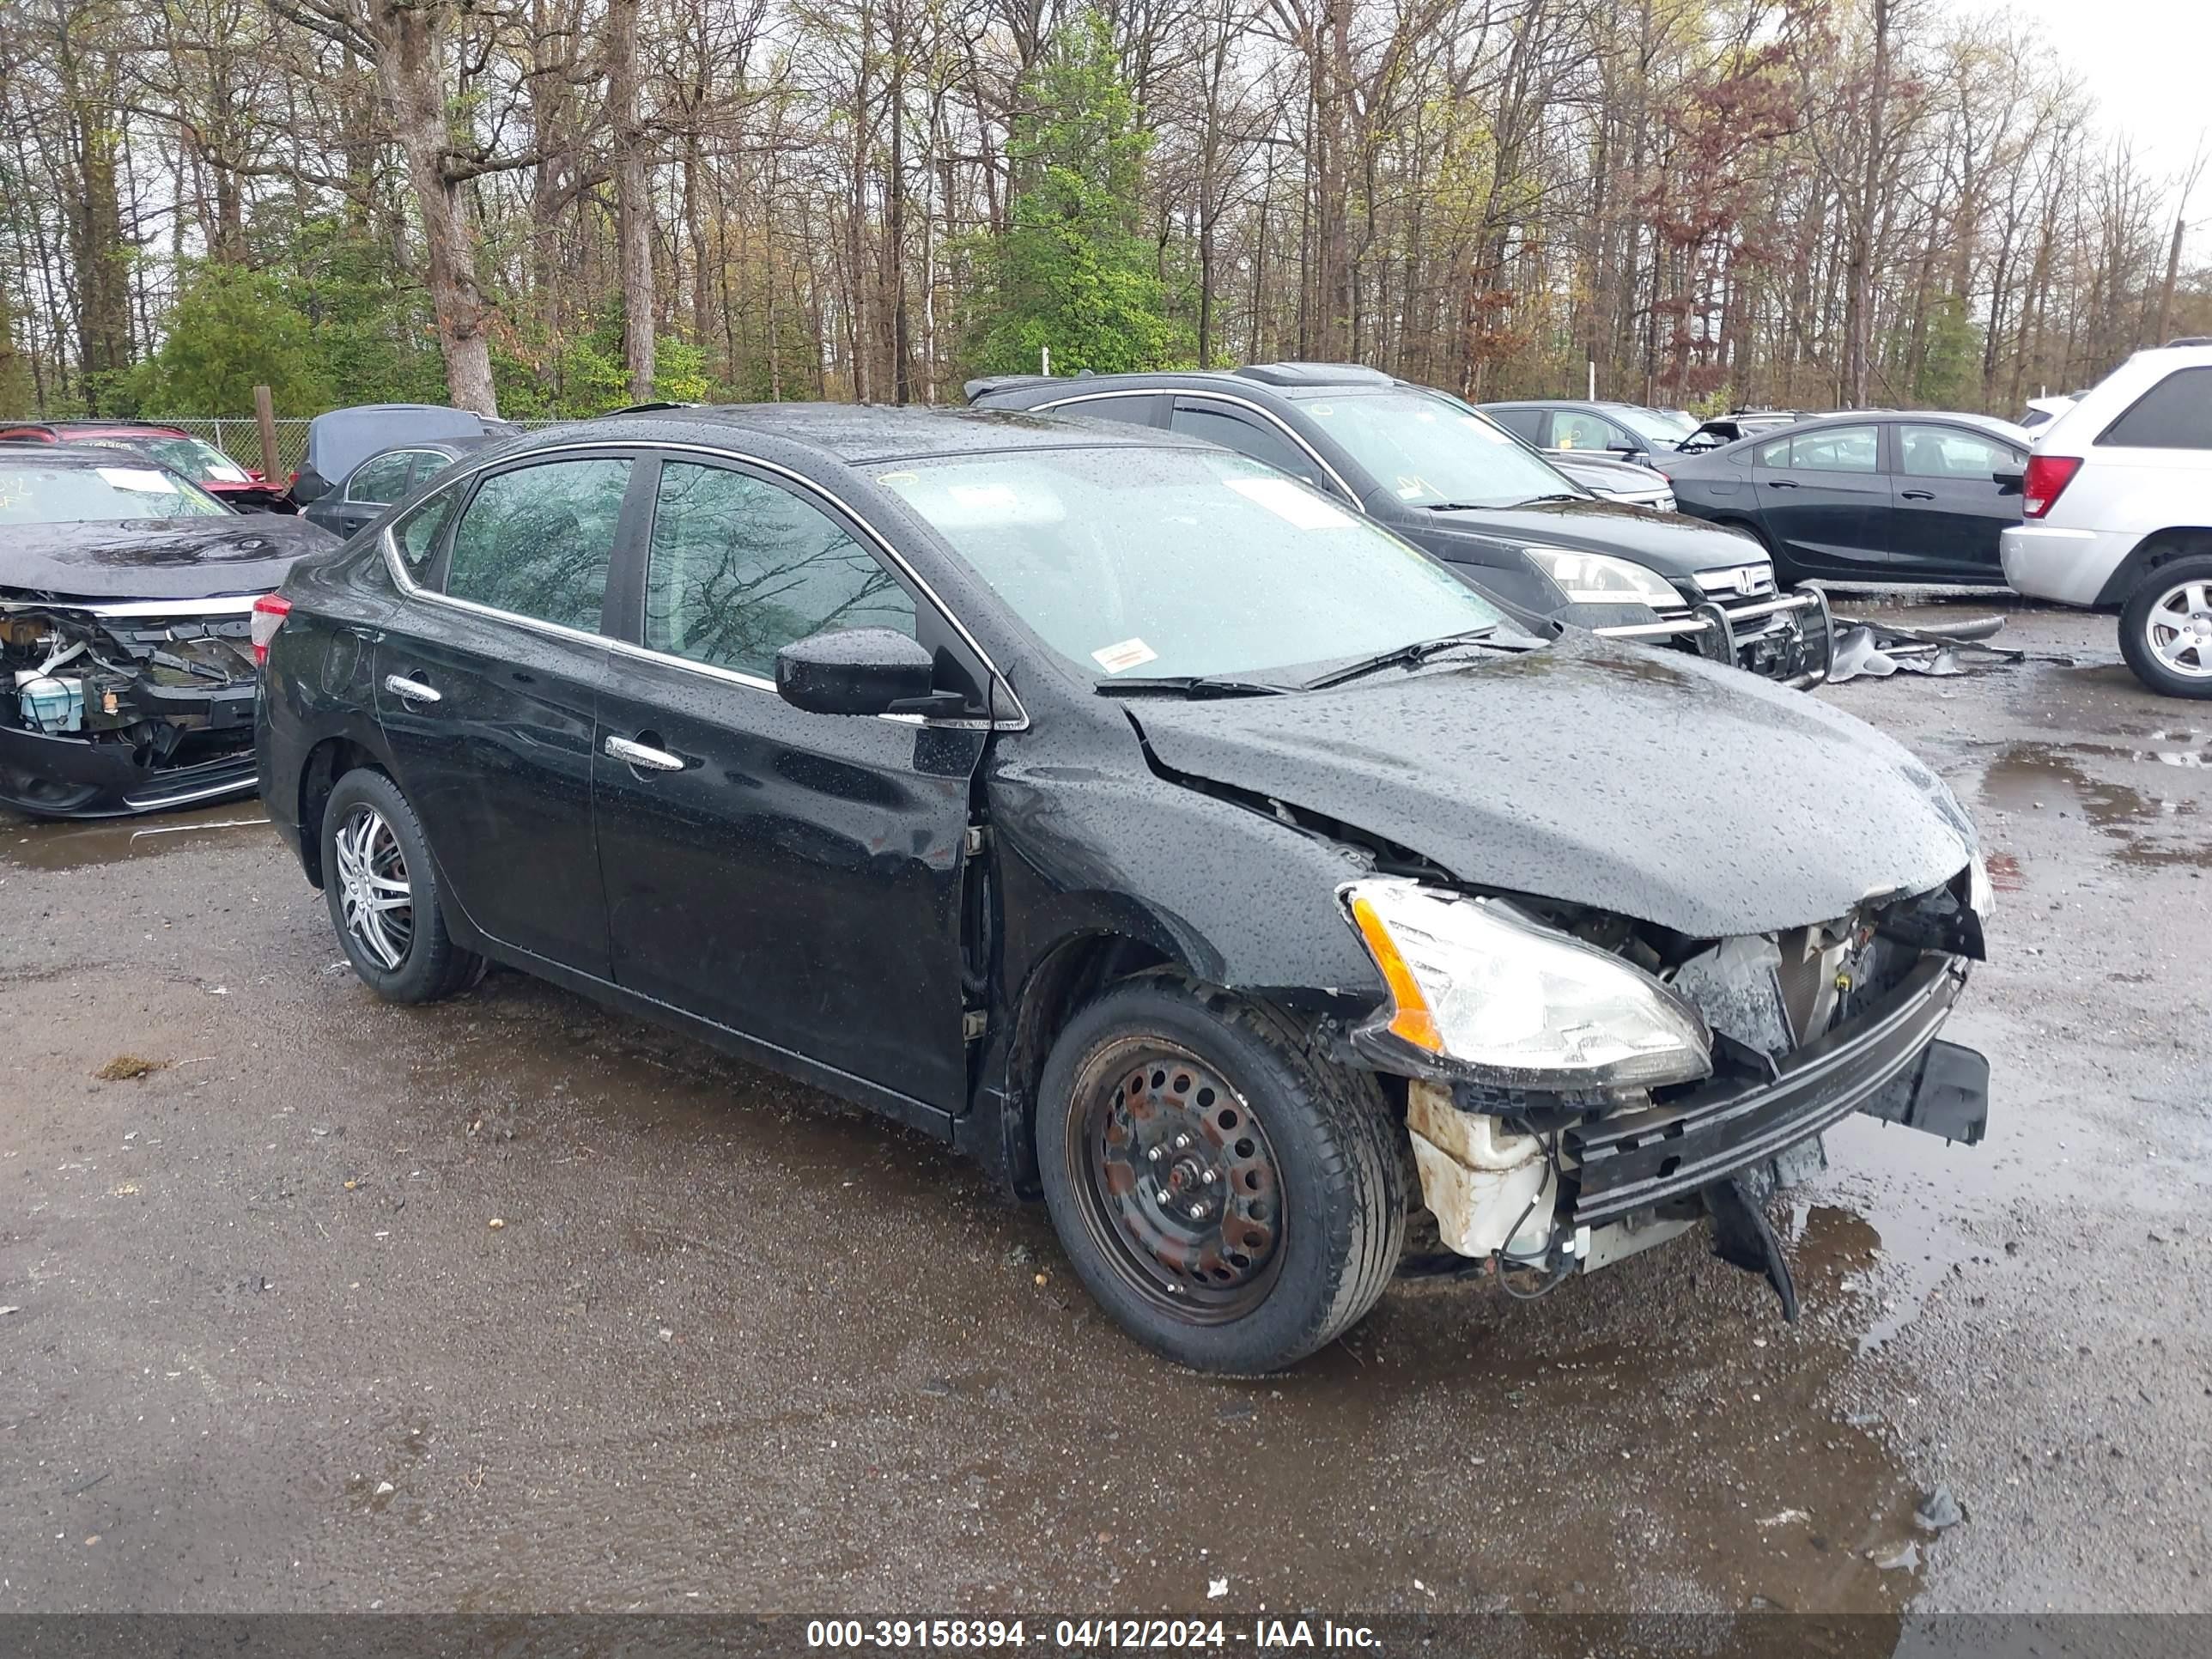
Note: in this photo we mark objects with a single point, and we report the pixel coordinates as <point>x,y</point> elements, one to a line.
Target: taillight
<point>291,481</point>
<point>2045,482</point>
<point>268,613</point>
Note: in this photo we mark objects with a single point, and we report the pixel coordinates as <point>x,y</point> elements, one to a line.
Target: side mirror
<point>861,671</point>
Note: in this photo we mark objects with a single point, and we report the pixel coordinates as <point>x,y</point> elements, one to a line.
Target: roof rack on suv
<point>1315,375</point>
<point>976,388</point>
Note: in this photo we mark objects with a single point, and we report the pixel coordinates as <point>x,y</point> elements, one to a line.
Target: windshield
<point>189,456</point>
<point>1427,451</point>
<point>1143,563</point>
<point>1660,427</point>
<point>73,492</point>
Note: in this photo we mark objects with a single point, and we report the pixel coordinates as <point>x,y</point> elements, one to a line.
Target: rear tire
<point>2165,629</point>
<point>383,893</point>
<point>1231,1199</point>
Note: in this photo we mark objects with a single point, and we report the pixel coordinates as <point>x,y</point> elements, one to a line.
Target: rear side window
<point>1136,408</point>
<point>741,568</point>
<point>1829,449</point>
<point>1945,452</point>
<point>536,542</point>
<point>1246,436</point>
<point>380,481</point>
<point>2175,414</point>
<point>1526,424</point>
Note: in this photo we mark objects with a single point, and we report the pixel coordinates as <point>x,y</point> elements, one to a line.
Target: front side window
<point>71,492</point>
<point>1945,452</point>
<point>381,482</point>
<point>1662,429</point>
<point>1836,449</point>
<point>536,542</point>
<point>1431,451</point>
<point>2175,414</point>
<point>1246,436</point>
<point>1139,562</point>
<point>1572,429</point>
<point>741,568</point>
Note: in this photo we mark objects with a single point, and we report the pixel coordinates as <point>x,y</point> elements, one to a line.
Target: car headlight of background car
<point>1601,579</point>
<point>1512,1002</point>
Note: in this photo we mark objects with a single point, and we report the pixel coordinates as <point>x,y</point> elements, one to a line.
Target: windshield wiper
<point>1457,507</point>
<point>1190,685</point>
<point>1419,651</point>
<point>1556,496</point>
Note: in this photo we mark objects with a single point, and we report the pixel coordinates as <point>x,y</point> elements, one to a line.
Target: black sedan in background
<point>1453,482</point>
<point>1179,841</point>
<point>1868,498</point>
<point>126,651</point>
<point>386,477</point>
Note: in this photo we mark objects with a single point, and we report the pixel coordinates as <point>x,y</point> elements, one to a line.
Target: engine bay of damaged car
<point>171,683</point>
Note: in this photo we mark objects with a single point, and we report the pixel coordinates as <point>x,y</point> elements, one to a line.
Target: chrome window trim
<point>1269,416</point>
<point>657,447</point>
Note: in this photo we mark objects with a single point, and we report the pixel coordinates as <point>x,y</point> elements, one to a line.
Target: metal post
<point>1044,360</point>
<point>1593,380</point>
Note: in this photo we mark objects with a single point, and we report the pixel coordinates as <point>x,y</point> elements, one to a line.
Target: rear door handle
<point>411,690</point>
<point>1916,494</point>
<point>643,756</point>
<point>1782,484</point>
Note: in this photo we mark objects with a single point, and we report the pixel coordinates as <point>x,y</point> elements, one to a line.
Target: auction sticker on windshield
<point>1294,504</point>
<point>145,480</point>
<point>1119,658</point>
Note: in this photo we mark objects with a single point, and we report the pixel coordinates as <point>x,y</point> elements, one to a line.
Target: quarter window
<point>417,534</point>
<point>741,568</point>
<point>1944,451</point>
<point>537,541</point>
<point>1527,423</point>
<point>1136,408</point>
<point>381,481</point>
<point>1247,437</point>
<point>2175,414</point>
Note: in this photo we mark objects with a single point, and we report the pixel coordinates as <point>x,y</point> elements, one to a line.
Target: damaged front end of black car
<point>1597,1086</point>
<point>126,649</point>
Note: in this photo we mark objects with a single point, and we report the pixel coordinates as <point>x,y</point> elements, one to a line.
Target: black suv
<point>1464,489</point>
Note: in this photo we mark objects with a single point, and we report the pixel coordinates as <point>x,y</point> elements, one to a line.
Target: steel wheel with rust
<point>1234,1202</point>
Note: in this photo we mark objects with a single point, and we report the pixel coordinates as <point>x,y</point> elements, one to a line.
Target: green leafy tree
<point>232,330</point>
<point>1951,363</point>
<point>1070,273</point>
<point>16,389</point>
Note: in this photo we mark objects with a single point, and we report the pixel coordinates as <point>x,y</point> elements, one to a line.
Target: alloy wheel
<point>377,899</point>
<point>1175,1179</point>
<point>2178,630</point>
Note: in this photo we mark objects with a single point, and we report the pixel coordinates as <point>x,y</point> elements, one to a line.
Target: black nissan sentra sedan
<point>1197,854</point>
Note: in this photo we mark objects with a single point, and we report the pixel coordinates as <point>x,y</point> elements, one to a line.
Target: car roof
<point>859,433</point>
<point>1287,377</point>
<point>454,447</point>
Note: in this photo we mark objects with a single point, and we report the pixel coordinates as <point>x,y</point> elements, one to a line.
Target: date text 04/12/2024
<point>1159,1635</point>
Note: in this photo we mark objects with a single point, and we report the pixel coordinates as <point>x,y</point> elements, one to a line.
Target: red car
<point>176,448</point>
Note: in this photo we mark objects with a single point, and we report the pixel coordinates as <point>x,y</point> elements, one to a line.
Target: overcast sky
<point>2148,64</point>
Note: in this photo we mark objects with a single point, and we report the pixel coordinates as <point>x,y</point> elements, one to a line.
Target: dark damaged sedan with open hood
<point>125,633</point>
<point>1198,854</point>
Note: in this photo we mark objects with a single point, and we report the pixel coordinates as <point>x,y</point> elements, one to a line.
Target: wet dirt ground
<point>510,1305</point>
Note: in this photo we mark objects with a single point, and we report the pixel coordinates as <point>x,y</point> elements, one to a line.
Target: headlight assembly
<point>1601,579</point>
<point>1512,1003</point>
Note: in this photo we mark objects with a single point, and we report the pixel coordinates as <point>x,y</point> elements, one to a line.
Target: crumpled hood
<point>1673,543</point>
<point>1661,787</point>
<point>156,558</point>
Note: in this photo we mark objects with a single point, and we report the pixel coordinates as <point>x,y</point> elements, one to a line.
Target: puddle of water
<point>37,844</point>
<point>2153,826</point>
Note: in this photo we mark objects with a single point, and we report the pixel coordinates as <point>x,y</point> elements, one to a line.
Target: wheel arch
<point>325,763</point>
<point>2161,547</point>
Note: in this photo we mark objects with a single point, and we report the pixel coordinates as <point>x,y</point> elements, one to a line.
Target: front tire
<point>1233,1200</point>
<point>383,893</point>
<point>2166,630</point>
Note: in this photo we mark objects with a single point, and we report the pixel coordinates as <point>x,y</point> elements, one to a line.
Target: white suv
<point>2116,510</point>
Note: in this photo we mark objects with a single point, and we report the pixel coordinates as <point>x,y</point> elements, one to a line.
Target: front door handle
<point>411,690</point>
<point>1917,494</point>
<point>1782,484</point>
<point>644,757</point>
